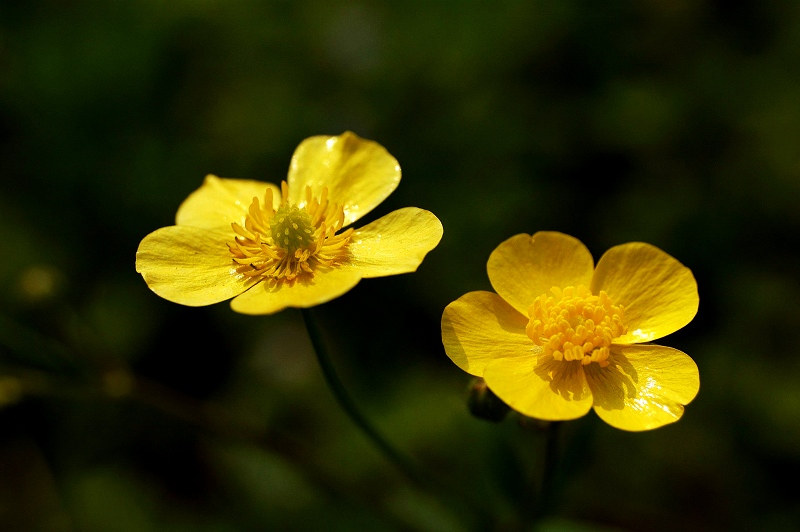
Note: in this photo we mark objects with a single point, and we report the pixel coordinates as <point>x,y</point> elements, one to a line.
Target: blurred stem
<point>349,406</point>
<point>550,465</point>
<point>463,505</point>
<point>119,384</point>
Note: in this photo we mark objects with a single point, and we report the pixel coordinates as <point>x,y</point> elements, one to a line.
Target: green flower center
<point>291,228</point>
<point>284,243</point>
<point>576,325</point>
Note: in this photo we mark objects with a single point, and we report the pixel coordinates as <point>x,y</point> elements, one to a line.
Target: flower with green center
<point>270,248</point>
<point>561,336</point>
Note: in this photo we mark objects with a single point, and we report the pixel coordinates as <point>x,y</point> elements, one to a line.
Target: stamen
<point>268,201</point>
<point>280,245</point>
<point>574,325</point>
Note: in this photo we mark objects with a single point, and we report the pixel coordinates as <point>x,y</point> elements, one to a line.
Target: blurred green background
<point>675,123</point>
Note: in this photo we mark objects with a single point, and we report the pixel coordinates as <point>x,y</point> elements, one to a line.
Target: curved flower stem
<point>468,509</point>
<point>349,406</point>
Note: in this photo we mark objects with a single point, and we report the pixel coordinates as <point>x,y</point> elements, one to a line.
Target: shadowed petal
<point>644,386</point>
<point>324,286</point>
<point>479,327</point>
<point>543,389</point>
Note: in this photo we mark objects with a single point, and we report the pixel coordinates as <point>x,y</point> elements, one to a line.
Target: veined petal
<point>479,327</point>
<point>220,202</point>
<point>190,266</point>
<point>324,286</point>
<point>395,243</point>
<point>359,173</point>
<point>644,386</point>
<point>524,267</point>
<point>543,389</point>
<point>658,292</point>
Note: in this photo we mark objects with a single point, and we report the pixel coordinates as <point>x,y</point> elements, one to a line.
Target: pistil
<point>292,241</point>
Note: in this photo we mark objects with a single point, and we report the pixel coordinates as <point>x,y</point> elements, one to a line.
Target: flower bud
<point>484,404</point>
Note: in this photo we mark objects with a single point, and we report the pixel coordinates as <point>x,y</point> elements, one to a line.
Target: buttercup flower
<point>561,336</point>
<point>272,248</point>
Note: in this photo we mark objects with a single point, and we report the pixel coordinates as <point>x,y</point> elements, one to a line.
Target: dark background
<point>675,123</point>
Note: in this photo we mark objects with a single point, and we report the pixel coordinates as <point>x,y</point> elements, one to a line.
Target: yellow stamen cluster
<point>575,325</point>
<point>294,240</point>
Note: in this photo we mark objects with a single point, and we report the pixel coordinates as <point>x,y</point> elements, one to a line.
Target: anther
<point>281,244</point>
<point>574,325</point>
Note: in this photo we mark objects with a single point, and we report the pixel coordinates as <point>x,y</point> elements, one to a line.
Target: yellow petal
<point>189,265</point>
<point>545,389</point>
<point>658,292</point>
<point>479,327</point>
<point>268,299</point>
<point>644,386</point>
<point>395,243</point>
<point>219,202</point>
<point>524,267</point>
<point>359,173</point>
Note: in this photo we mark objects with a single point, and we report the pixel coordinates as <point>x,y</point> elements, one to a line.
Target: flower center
<point>292,241</point>
<point>573,324</point>
<point>291,228</point>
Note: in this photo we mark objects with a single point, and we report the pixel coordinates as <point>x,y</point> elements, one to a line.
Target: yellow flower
<point>561,336</point>
<point>273,248</point>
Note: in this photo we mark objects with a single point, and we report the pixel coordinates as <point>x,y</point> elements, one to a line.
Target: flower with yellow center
<point>272,248</point>
<point>561,336</point>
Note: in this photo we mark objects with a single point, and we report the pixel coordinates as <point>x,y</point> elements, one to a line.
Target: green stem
<point>349,406</point>
<point>549,474</point>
